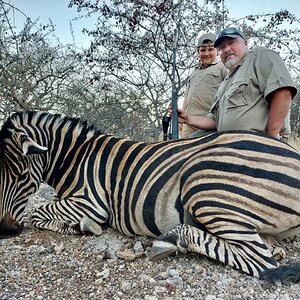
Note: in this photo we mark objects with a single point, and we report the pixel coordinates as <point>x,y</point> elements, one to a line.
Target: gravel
<point>47,265</point>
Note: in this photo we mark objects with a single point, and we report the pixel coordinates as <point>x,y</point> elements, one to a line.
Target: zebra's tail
<point>283,273</point>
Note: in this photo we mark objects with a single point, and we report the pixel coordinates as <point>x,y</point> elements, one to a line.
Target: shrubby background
<point>123,81</point>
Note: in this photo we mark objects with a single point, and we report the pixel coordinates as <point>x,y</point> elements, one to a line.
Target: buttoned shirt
<point>201,89</point>
<point>242,100</point>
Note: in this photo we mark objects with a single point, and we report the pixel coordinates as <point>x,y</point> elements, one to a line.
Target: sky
<point>61,15</point>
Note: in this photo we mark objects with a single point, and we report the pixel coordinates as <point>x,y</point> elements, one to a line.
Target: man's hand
<point>200,122</point>
<point>182,116</point>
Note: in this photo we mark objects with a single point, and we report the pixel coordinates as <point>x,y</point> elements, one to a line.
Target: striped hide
<point>230,196</point>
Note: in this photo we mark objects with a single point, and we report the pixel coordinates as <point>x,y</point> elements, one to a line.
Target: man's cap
<point>230,32</point>
<point>206,39</point>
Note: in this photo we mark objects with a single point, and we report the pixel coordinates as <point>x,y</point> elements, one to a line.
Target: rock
<point>152,281</point>
<point>127,255</point>
<point>210,297</point>
<point>115,244</point>
<point>126,286</point>
<point>138,248</point>
<point>172,272</point>
<point>163,275</point>
<point>175,281</point>
<point>98,244</point>
<point>59,248</point>
<point>104,274</point>
<point>110,253</point>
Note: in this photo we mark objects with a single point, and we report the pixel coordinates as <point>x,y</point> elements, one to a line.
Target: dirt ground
<point>46,265</point>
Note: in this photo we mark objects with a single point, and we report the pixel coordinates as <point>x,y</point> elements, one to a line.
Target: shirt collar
<point>212,64</point>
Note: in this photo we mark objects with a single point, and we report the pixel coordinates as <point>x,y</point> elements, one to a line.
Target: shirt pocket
<point>212,76</point>
<point>237,95</point>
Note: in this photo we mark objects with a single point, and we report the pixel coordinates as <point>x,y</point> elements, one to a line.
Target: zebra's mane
<point>22,118</point>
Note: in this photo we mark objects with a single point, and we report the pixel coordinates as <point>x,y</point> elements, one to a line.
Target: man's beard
<point>232,62</point>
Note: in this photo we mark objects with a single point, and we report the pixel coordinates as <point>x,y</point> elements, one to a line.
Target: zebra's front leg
<point>251,257</point>
<point>64,216</point>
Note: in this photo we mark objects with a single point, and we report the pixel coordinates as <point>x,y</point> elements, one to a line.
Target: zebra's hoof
<point>161,250</point>
<point>89,226</point>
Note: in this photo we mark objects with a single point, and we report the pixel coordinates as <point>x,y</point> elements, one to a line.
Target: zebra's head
<point>20,175</point>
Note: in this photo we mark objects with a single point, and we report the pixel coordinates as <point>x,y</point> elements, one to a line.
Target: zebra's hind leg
<point>167,244</point>
<point>251,257</point>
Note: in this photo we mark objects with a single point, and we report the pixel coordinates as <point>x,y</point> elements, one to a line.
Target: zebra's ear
<point>29,146</point>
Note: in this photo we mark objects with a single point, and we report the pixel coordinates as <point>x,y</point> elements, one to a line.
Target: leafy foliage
<point>32,72</point>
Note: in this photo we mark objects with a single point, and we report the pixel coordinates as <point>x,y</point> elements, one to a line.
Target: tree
<point>123,81</point>
<point>133,42</point>
<point>33,73</point>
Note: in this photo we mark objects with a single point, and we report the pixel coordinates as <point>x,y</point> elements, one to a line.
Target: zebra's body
<point>237,187</point>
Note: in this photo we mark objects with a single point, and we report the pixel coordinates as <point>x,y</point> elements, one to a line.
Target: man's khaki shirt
<point>242,100</point>
<point>201,89</point>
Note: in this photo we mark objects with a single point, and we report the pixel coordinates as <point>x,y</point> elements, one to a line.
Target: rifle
<point>174,124</point>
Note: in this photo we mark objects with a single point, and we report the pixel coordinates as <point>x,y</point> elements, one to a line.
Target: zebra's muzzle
<point>9,227</point>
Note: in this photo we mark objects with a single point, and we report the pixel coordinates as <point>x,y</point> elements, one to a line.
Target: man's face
<point>207,54</point>
<point>232,51</point>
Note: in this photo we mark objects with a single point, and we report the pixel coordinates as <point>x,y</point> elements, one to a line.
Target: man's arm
<point>200,122</point>
<point>280,103</point>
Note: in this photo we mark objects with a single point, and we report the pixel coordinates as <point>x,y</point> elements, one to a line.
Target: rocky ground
<point>47,265</point>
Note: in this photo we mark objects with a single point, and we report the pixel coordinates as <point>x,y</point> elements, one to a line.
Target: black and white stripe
<point>234,186</point>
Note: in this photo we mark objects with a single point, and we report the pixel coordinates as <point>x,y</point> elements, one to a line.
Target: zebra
<point>229,195</point>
